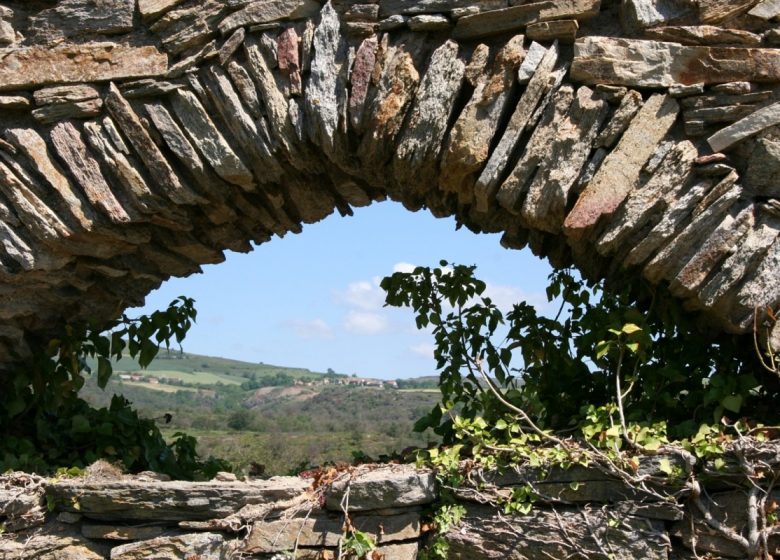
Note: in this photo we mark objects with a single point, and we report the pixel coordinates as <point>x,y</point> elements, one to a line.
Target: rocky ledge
<point>650,513</point>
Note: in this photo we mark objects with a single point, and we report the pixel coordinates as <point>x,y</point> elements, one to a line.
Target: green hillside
<point>276,416</point>
<point>224,370</point>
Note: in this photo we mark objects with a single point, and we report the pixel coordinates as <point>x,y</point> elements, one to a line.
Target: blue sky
<point>312,300</point>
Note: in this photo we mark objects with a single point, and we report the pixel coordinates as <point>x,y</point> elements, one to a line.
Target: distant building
<point>153,380</point>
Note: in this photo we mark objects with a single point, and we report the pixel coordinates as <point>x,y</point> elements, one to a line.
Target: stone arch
<point>142,139</point>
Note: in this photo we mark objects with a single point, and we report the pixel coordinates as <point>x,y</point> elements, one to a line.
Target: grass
<point>196,377</point>
<point>158,387</point>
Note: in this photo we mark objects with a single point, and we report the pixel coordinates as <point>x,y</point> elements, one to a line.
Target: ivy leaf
<point>104,371</point>
<point>665,466</point>
<point>732,403</point>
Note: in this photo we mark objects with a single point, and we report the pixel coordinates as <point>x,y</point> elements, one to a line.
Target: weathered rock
<point>704,35</point>
<point>57,542</point>
<point>14,102</point>
<point>115,159</point>
<point>756,122</point>
<point>69,145</point>
<point>416,159</point>
<point>289,61</point>
<point>386,487</point>
<point>659,64</point>
<point>766,9</point>
<point>150,154</point>
<point>266,11</point>
<point>208,546</point>
<point>169,501</point>
<point>764,168</point>
<point>637,15</point>
<point>32,145</point>
<point>362,12</point>
<point>617,176</point>
<point>23,68</point>
<point>75,17</point>
<point>120,533</point>
<point>617,125</point>
<point>484,533</point>
<point>469,140</point>
<point>564,30</point>
<point>516,18</point>
<point>533,57</point>
<point>645,205</point>
<point>149,88</point>
<point>716,247</point>
<point>758,289</point>
<point>388,102</point>
<point>545,204</point>
<point>231,45</point>
<point>151,9</point>
<point>393,22</point>
<point>427,22</point>
<point>208,140</point>
<point>721,99</point>
<point>393,7</point>
<point>325,529</point>
<point>360,78</point>
<point>325,100</point>
<point>715,11</point>
<point>62,111</point>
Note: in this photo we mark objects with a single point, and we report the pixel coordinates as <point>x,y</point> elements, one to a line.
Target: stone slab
<point>658,64</point>
<point>169,501</point>
<point>494,22</point>
<point>391,486</point>
<point>618,174</point>
<point>745,128</point>
<point>30,67</point>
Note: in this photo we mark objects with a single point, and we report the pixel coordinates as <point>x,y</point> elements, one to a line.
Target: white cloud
<point>504,296</point>
<point>313,328</point>
<point>363,295</point>
<point>423,349</point>
<point>403,267</point>
<point>359,322</point>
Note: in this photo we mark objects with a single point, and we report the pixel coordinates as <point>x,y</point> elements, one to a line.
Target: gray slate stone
<point>269,11</point>
<point>484,533</point>
<point>204,546</point>
<point>209,141</point>
<point>495,169</point>
<point>392,486</point>
<point>326,88</point>
<point>617,176</point>
<point>416,159</point>
<point>169,501</point>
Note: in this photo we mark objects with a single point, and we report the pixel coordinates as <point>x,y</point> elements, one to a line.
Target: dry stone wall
<point>581,512</point>
<point>141,139</point>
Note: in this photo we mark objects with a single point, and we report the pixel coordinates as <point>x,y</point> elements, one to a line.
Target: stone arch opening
<point>142,142</point>
<point>313,300</point>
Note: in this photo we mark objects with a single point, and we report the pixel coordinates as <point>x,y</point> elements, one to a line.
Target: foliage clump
<point>46,425</point>
<point>557,368</point>
<point>614,376</point>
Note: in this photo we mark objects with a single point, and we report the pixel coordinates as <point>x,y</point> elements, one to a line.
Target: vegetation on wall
<point>612,377</point>
<point>47,425</point>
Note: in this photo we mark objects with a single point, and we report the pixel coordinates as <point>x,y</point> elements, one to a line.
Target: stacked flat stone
<point>578,511</point>
<point>140,140</point>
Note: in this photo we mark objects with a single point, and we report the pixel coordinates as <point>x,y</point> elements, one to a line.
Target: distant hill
<point>229,370</point>
<point>275,415</point>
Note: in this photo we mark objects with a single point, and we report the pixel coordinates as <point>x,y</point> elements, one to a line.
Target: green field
<point>236,370</point>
